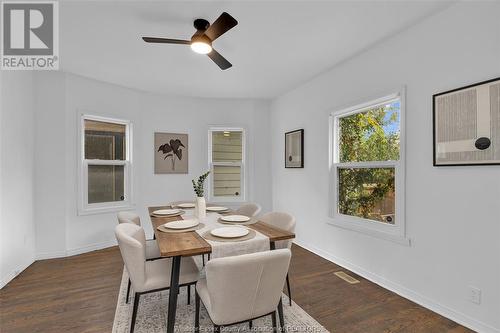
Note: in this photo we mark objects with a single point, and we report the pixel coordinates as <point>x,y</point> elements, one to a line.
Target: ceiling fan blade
<point>166,40</point>
<point>219,60</point>
<point>224,23</point>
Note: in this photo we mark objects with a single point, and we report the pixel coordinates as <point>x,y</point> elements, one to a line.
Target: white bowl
<point>230,232</point>
<point>235,218</point>
<point>182,224</point>
<point>167,211</point>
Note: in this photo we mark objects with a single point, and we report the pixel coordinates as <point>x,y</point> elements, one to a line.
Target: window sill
<point>104,210</point>
<point>393,237</point>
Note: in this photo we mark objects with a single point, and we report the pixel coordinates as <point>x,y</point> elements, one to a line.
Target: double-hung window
<point>367,167</point>
<point>227,164</point>
<point>105,167</point>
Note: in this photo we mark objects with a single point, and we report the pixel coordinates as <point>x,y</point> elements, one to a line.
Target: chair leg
<point>134,312</point>
<point>250,324</point>
<point>275,325</point>
<point>203,259</point>
<point>281,316</point>
<point>189,293</point>
<point>197,312</point>
<point>289,290</point>
<point>128,291</point>
<point>216,329</point>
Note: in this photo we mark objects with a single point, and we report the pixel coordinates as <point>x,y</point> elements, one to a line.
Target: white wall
<point>452,213</point>
<point>56,140</point>
<point>50,171</point>
<point>17,249</point>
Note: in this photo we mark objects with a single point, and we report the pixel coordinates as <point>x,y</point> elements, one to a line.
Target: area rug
<point>152,315</point>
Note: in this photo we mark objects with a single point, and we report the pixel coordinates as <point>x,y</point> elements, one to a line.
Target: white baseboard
<point>12,274</point>
<point>52,255</point>
<point>91,247</point>
<point>403,291</point>
<point>75,251</point>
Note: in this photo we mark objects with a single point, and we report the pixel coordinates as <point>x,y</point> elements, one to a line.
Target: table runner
<point>226,249</point>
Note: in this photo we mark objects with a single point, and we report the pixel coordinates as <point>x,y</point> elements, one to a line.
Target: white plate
<point>235,218</point>
<point>182,224</point>
<point>217,209</point>
<point>167,211</point>
<point>230,232</point>
<point>186,205</point>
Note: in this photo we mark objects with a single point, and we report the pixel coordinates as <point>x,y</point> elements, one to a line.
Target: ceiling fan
<point>201,41</point>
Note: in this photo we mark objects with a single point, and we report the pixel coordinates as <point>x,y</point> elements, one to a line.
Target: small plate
<point>182,224</point>
<point>235,218</point>
<point>167,212</point>
<point>229,232</point>
<point>217,209</point>
<point>185,205</point>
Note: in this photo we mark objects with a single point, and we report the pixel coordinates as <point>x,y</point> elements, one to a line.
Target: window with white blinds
<point>227,164</point>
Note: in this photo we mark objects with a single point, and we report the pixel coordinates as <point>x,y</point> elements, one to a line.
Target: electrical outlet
<point>474,295</point>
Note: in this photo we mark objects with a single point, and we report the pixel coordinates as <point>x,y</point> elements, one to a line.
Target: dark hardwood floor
<point>78,294</point>
<point>74,294</point>
<point>363,307</point>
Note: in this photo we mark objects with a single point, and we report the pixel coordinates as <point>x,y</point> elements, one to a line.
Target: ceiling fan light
<point>201,47</point>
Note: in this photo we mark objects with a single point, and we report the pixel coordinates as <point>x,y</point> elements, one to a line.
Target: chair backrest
<point>283,221</point>
<point>249,210</point>
<point>132,242</point>
<point>246,286</point>
<point>127,217</point>
<point>175,203</point>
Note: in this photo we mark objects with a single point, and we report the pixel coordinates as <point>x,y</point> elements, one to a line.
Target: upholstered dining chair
<point>242,288</point>
<point>148,276</point>
<point>152,250</point>
<point>286,222</point>
<point>250,210</point>
<point>175,203</point>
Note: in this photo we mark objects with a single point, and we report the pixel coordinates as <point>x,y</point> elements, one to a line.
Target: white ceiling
<point>275,47</point>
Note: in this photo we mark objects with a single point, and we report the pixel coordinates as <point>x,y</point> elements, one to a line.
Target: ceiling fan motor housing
<point>201,24</point>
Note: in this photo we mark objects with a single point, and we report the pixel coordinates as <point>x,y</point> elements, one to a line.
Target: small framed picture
<point>171,153</point>
<point>294,149</point>
<point>466,125</point>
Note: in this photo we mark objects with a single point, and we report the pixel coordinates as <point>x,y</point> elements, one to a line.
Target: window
<point>227,164</point>
<point>367,167</point>
<point>105,164</point>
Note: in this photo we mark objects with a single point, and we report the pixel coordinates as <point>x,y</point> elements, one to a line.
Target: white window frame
<point>394,232</point>
<point>84,208</point>
<point>229,199</point>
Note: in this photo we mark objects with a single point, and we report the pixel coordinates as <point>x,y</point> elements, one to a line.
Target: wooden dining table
<point>187,244</point>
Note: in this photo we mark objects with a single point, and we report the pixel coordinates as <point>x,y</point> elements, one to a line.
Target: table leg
<point>280,304</point>
<point>174,290</point>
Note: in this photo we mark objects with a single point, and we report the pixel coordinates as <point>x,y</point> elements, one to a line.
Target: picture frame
<point>171,153</point>
<point>466,125</point>
<point>294,149</point>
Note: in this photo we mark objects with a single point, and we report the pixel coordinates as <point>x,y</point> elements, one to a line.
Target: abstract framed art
<point>466,125</point>
<point>294,149</point>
